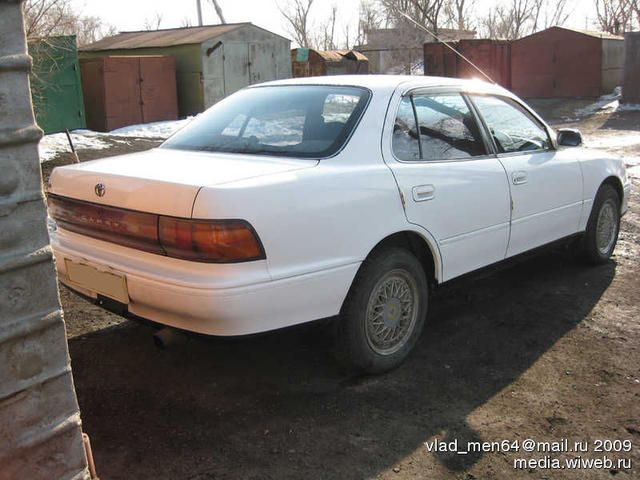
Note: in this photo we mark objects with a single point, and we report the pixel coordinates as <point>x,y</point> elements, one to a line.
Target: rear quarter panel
<point>322,217</point>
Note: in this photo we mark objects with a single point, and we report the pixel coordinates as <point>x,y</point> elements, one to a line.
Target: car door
<point>545,184</point>
<point>450,184</point>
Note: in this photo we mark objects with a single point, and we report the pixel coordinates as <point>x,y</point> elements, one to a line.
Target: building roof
<point>337,55</point>
<point>590,33</point>
<point>167,37</point>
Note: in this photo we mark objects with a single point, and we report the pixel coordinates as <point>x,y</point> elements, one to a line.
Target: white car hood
<point>162,180</point>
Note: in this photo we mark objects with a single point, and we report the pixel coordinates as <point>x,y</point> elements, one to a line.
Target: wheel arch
<point>419,245</point>
<point>616,183</point>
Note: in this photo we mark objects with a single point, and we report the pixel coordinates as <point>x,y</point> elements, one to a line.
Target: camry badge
<point>100,189</point>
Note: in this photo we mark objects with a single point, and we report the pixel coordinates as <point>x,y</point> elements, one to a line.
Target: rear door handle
<point>519,177</point>
<point>422,193</point>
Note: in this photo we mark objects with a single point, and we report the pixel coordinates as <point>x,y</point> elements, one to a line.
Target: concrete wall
<point>612,64</point>
<point>244,56</point>
<point>631,85</point>
<point>40,436</point>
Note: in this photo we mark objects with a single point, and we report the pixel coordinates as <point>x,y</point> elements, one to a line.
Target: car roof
<point>391,82</point>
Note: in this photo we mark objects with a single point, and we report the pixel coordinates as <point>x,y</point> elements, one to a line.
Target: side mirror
<point>569,137</point>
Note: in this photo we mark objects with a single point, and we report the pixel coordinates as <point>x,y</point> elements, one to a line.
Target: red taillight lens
<point>212,241</point>
<point>125,227</point>
<point>219,241</point>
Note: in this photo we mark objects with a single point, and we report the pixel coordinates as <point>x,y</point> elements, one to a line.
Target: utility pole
<point>216,5</point>
<point>199,4</point>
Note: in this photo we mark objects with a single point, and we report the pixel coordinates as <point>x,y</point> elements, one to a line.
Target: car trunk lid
<point>161,181</point>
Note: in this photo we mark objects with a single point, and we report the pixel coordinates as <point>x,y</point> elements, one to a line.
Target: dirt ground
<point>545,350</point>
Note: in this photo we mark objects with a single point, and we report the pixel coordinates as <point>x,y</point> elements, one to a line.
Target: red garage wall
<point>491,56</point>
<point>557,62</point>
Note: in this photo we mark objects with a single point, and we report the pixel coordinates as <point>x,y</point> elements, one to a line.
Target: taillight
<point>212,241</point>
<point>125,227</point>
<point>218,241</point>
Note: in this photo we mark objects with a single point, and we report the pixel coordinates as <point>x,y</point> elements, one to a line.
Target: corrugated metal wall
<point>39,418</point>
<point>242,57</point>
<point>127,90</point>
<point>55,84</point>
<point>612,64</point>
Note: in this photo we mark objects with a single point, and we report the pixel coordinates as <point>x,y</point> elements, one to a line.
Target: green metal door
<point>55,84</point>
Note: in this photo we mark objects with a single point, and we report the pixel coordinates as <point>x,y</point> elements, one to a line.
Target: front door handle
<point>519,177</point>
<point>422,193</point>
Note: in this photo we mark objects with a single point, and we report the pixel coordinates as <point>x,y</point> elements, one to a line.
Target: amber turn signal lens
<point>215,241</point>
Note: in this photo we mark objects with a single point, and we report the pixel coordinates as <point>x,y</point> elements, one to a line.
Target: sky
<point>133,14</point>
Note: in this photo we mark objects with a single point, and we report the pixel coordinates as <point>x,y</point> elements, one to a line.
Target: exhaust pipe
<point>167,336</point>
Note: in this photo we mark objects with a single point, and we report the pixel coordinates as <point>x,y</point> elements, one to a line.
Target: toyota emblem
<point>100,189</point>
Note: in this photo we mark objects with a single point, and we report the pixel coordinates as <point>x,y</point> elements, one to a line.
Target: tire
<point>603,226</point>
<point>389,297</point>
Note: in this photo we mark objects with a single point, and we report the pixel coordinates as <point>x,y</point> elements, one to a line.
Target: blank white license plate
<point>108,284</point>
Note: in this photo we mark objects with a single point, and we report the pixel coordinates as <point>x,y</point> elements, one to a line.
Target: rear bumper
<point>206,298</point>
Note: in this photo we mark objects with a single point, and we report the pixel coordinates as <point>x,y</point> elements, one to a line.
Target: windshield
<point>309,121</point>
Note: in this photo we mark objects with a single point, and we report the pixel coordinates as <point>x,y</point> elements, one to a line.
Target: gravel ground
<point>546,349</point>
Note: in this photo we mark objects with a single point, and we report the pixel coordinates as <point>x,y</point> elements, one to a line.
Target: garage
<point>564,62</point>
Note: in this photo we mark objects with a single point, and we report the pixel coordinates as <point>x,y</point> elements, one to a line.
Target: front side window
<point>307,121</point>
<point>512,128</point>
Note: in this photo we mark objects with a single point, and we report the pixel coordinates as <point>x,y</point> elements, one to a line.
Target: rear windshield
<point>308,121</point>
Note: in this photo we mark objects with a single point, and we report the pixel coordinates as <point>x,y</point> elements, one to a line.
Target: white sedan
<point>349,197</point>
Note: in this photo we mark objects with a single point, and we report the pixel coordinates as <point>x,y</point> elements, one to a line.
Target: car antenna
<point>448,46</point>
<point>73,148</point>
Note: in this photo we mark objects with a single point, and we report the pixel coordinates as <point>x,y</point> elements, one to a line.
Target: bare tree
<point>296,13</point>
<point>614,16</point>
<point>370,17</point>
<point>512,20</point>
<point>459,13</point>
<point>425,12</point>
<point>154,22</point>
<point>327,29</point>
<point>44,18</point>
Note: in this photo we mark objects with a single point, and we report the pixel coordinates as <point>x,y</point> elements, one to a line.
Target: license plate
<point>109,284</point>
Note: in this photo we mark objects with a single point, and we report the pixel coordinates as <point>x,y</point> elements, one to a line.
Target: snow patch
<point>151,130</point>
<point>613,140</point>
<point>54,144</point>
<point>634,171</point>
<point>608,104</point>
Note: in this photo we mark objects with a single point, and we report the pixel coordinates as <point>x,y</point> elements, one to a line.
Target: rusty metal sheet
<point>127,90</point>
<point>162,38</point>
<point>158,89</point>
<point>557,62</point>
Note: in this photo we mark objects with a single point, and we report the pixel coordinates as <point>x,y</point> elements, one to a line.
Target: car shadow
<point>278,406</point>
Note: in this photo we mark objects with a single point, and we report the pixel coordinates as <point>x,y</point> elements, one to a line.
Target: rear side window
<point>405,133</point>
<point>446,129</point>
<point>513,129</point>
<point>304,121</point>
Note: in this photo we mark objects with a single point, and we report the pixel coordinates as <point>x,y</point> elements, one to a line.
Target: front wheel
<point>383,315</point>
<point>603,226</point>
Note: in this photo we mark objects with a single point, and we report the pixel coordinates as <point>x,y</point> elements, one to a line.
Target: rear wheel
<point>603,226</point>
<point>383,315</point>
